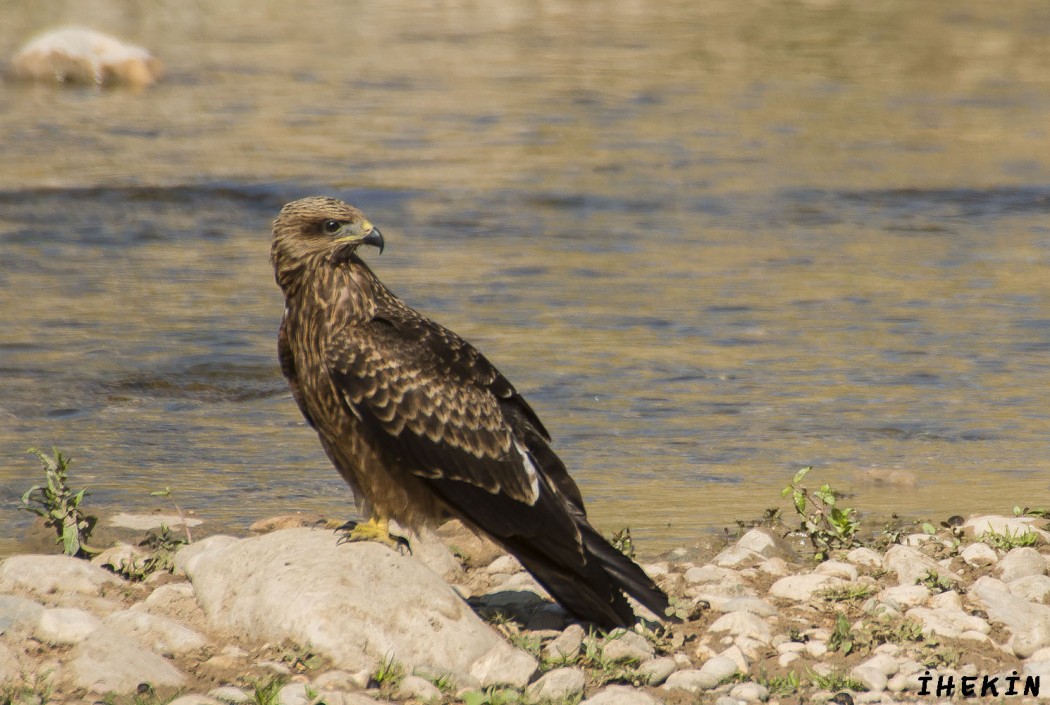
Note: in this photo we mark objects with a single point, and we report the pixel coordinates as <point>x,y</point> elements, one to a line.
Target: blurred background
<point>711,242</point>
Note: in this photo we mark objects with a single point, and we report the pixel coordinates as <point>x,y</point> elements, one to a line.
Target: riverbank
<point>290,616</point>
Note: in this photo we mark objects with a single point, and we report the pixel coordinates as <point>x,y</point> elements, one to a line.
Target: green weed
<point>59,505</point>
<point>827,526</point>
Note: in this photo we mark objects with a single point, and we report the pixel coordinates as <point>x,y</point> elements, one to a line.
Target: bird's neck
<point>346,289</point>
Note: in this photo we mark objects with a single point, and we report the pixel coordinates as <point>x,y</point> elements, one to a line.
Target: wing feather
<point>429,399</point>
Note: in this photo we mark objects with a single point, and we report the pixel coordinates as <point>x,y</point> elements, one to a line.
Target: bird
<point>423,427</point>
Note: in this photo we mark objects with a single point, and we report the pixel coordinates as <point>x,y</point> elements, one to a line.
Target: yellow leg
<point>375,529</point>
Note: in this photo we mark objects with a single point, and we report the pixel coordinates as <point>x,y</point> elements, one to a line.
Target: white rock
<point>658,670</point>
<point>356,603</point>
<point>230,694</point>
<point>911,565</point>
<point>64,626</point>
<point>864,556</point>
<point>656,570</point>
<point>802,587</point>
<point>884,663</point>
<point>816,648</point>
<point>837,569</point>
<point>106,661</point>
<point>17,613</point>
<point>1029,622</point>
<point>1033,588</point>
<point>1030,638</point>
<point>777,567</point>
<point>693,680</point>
<point>873,679</point>
<point>418,688</point>
<point>504,666</point>
<point>711,574</point>
<point>622,645</point>
<point>947,623</point>
<point>194,699</point>
<point>979,555</point>
<point>567,644</point>
<point>766,543</point>
<point>737,656</point>
<point>165,636</point>
<point>621,695</point>
<point>1021,563</point>
<point>720,667</point>
<point>743,624</point>
<point>718,594</point>
<point>749,692</point>
<point>785,660</point>
<point>558,684</point>
<point>341,680</point>
<point>738,557</point>
<point>504,564</point>
<point>753,605</point>
<point>293,694</point>
<point>54,574</point>
<point>187,555</point>
<point>80,55</point>
<point>903,596</point>
<point>948,600</point>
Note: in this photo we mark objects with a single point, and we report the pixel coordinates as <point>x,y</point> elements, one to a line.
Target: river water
<point>710,242</point>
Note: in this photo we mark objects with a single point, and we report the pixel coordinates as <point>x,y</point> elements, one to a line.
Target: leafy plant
<point>783,684</point>
<point>268,692</point>
<point>827,526</point>
<point>935,582</point>
<point>835,680</point>
<point>166,492</point>
<point>622,542</point>
<point>389,674</point>
<point>842,637</point>
<point>851,593</point>
<point>1008,539</point>
<point>59,505</point>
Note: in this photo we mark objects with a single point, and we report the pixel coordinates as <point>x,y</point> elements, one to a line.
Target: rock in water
<point>84,56</point>
<point>357,603</point>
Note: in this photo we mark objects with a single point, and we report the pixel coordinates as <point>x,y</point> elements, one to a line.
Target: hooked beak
<point>374,238</point>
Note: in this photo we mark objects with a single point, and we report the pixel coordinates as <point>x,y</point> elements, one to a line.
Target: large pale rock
<point>621,695</point>
<point>64,626</point>
<point>1021,563</point>
<point>559,684</point>
<point>802,587</point>
<point>658,670</point>
<point>979,555</point>
<point>1029,623</point>
<point>912,565</point>
<point>109,662</point>
<point>51,574</point>
<point>903,596</point>
<point>79,55</point>
<point>624,645</point>
<point>948,623</point>
<point>1034,588</point>
<point>165,636</point>
<point>864,556</point>
<point>18,613</point>
<point>567,644</point>
<point>188,555</point>
<point>743,624</point>
<point>356,603</point>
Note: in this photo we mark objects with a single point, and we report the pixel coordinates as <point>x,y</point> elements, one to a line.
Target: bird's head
<point>319,228</point>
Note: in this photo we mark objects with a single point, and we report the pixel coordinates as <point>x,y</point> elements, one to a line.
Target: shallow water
<point>710,243</point>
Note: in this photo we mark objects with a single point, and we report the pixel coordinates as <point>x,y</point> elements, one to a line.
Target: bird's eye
<point>331,227</point>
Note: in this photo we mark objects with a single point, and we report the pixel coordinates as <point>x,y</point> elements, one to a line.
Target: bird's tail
<point>593,589</point>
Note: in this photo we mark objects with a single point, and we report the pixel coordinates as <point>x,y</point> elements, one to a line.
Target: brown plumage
<point>422,426</point>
